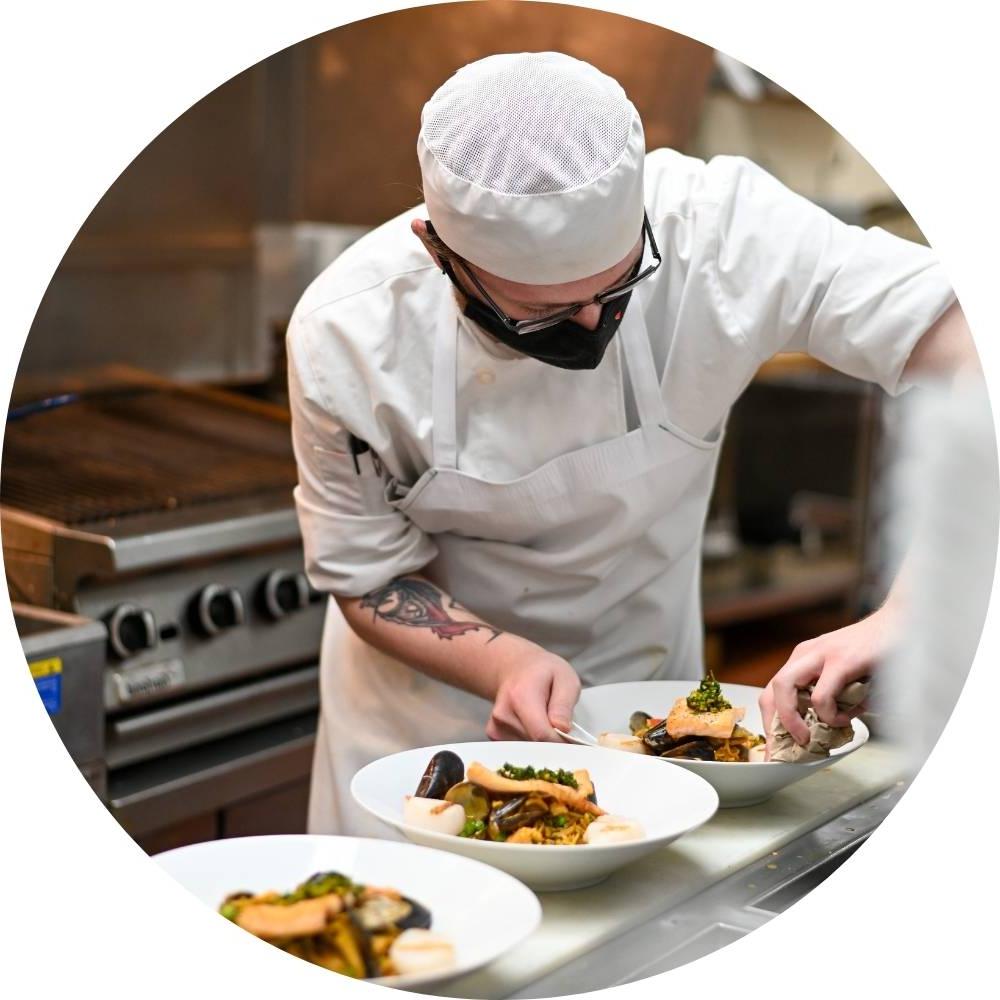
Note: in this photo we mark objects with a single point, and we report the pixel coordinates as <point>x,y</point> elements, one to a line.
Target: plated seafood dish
<point>359,931</point>
<point>513,805</point>
<point>701,726</point>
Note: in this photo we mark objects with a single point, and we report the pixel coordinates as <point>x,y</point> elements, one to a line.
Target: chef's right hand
<point>535,694</point>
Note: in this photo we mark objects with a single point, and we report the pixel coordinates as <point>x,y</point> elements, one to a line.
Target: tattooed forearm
<point>420,604</point>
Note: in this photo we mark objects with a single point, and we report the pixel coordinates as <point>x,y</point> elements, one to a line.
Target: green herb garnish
<point>530,773</point>
<point>556,821</point>
<point>321,884</point>
<point>707,697</point>
<point>228,910</point>
<point>474,828</point>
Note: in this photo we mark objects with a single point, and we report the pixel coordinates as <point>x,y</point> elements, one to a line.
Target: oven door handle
<point>211,716</point>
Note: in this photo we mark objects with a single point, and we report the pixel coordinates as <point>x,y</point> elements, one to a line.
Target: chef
<point>508,405</point>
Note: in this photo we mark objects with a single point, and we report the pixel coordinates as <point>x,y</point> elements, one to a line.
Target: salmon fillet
<point>274,920</point>
<point>481,775</point>
<point>719,725</point>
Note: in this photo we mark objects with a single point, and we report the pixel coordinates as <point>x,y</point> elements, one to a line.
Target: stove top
<point>146,451</point>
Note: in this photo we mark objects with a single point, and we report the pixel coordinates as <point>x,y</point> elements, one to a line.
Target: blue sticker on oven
<point>47,675</point>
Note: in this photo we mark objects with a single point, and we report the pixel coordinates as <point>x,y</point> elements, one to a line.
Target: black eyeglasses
<point>533,325</point>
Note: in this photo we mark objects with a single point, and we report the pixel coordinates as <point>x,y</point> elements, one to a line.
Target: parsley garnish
<point>707,697</point>
<point>530,773</point>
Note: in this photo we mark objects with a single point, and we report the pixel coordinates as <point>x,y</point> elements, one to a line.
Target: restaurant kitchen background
<point>149,536</point>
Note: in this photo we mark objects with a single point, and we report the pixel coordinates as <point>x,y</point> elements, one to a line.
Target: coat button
<point>484,376</point>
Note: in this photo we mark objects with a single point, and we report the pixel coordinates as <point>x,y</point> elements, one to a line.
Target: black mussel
<point>474,799</point>
<point>379,913</point>
<point>353,941</point>
<point>515,813</point>
<point>695,749</point>
<point>444,770</point>
<point>638,721</point>
<point>658,739</point>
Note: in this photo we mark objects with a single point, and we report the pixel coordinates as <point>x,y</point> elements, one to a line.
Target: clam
<point>471,797</point>
<point>638,721</point>
<point>380,913</point>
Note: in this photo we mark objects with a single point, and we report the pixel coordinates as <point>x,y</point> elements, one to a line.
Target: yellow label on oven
<point>46,668</point>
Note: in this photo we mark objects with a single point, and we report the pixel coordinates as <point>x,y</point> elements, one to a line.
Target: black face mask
<point>565,345</point>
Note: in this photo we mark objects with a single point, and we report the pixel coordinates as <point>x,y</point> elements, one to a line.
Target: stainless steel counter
<point>704,891</point>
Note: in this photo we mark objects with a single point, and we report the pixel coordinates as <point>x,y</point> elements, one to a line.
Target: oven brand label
<point>48,681</point>
<point>141,682</point>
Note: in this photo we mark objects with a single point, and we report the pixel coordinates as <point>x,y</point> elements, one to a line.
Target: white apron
<point>595,556</point>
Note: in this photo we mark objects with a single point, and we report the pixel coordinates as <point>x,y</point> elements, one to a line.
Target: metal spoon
<point>577,734</point>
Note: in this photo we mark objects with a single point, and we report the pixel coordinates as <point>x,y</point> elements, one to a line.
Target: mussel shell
<point>516,812</point>
<point>363,939</point>
<point>382,912</point>
<point>638,721</point>
<point>474,799</point>
<point>443,770</point>
<point>696,749</point>
<point>658,739</point>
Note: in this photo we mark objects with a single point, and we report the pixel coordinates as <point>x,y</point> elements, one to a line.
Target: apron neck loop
<point>445,385</point>
<point>641,367</point>
<point>638,356</point>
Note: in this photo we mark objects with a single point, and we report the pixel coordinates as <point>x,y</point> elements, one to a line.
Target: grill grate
<point>142,452</point>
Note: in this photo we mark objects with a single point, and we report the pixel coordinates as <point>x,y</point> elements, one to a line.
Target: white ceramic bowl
<point>481,910</point>
<point>666,801</point>
<point>607,707</point>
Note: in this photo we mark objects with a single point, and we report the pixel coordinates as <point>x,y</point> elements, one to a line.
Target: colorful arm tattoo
<point>420,604</point>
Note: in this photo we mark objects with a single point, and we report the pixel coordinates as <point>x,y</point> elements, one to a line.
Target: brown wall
<point>163,275</point>
<point>363,86</point>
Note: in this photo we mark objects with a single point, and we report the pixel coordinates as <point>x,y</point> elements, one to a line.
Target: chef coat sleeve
<point>354,540</point>
<point>792,277</point>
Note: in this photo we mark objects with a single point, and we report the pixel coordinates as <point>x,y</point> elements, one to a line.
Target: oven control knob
<point>216,609</point>
<point>281,592</point>
<point>131,629</point>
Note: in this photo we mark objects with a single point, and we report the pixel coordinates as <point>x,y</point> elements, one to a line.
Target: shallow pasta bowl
<point>483,912</point>
<point>607,707</point>
<point>667,802</point>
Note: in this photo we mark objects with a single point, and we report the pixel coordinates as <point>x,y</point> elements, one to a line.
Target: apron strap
<point>641,366</point>
<point>638,357</point>
<point>444,385</point>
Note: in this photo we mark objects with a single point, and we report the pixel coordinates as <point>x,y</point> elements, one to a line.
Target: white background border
<point>86,85</point>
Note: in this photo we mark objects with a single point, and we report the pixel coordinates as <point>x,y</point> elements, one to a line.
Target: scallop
<point>435,815</point>
<point>621,741</point>
<point>416,951</point>
<point>608,829</point>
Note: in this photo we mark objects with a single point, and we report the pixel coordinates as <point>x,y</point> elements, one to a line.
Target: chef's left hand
<point>830,662</point>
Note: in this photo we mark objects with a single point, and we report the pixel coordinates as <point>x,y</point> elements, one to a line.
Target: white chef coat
<point>749,269</point>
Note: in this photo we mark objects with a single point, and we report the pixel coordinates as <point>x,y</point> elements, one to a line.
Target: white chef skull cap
<point>532,167</point>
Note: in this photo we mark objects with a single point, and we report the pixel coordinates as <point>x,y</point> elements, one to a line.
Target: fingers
<point>534,701</point>
<point>837,674</point>
<point>521,711</point>
<point>563,698</point>
<point>766,704</point>
<point>799,672</point>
